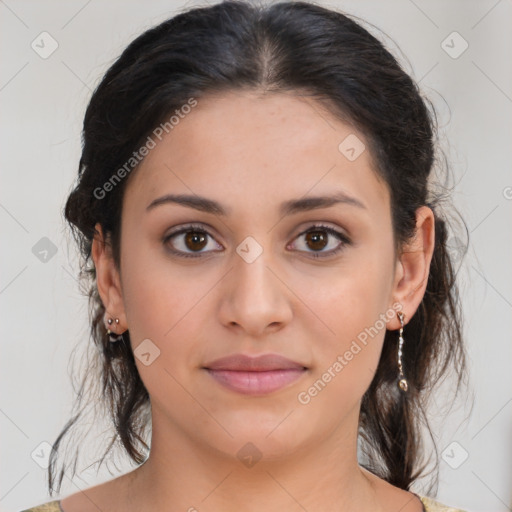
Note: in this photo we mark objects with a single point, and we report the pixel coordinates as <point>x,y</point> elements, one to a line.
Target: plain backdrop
<point>44,316</point>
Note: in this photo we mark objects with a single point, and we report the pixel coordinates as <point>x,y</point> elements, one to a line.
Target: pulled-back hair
<point>295,47</point>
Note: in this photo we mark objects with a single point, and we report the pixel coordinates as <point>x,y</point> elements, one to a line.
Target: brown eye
<point>190,241</point>
<point>195,240</point>
<point>317,238</point>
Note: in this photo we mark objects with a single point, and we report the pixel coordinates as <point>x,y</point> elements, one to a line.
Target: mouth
<point>251,375</point>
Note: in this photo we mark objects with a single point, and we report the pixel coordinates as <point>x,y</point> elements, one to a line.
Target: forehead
<point>256,150</point>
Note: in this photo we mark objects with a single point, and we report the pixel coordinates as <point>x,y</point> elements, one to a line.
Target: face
<point>269,271</point>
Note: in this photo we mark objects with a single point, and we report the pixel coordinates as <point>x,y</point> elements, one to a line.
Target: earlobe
<point>414,264</point>
<point>107,277</point>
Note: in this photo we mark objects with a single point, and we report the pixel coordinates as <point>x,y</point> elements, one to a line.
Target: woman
<point>270,287</point>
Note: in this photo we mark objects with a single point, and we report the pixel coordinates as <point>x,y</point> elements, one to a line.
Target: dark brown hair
<point>290,46</point>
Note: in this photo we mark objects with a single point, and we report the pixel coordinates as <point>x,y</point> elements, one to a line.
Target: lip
<point>258,375</point>
<point>242,362</point>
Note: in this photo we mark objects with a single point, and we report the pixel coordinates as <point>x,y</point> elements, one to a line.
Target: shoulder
<point>434,506</point>
<point>50,506</point>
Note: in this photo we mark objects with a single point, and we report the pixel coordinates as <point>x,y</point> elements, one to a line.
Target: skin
<point>250,152</point>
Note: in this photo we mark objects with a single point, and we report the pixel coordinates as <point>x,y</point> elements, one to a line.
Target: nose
<point>255,298</point>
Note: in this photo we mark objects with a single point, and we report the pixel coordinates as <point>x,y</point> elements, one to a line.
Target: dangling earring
<point>112,336</point>
<point>402,382</point>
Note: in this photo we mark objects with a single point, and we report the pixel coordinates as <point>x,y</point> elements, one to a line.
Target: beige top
<point>429,505</point>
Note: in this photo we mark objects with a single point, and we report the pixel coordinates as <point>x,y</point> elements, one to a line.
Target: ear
<point>413,266</point>
<point>108,280</point>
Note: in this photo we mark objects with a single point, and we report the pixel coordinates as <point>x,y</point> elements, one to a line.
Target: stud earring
<point>402,382</point>
<point>113,336</point>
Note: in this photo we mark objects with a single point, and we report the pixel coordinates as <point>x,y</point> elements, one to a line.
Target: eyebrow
<point>286,208</point>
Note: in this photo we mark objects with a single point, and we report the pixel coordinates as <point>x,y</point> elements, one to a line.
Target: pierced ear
<point>107,277</point>
<point>413,266</point>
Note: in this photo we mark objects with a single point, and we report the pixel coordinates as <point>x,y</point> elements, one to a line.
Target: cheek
<point>354,307</point>
<point>156,292</point>
<point>161,311</point>
<point>154,298</point>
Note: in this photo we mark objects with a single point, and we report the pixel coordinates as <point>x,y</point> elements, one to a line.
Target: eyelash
<point>316,227</point>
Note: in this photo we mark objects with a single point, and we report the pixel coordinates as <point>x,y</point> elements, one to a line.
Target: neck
<point>182,474</point>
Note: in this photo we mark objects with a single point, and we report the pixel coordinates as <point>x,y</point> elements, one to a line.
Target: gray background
<point>42,101</point>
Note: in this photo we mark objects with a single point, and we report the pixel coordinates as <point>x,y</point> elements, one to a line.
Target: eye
<point>189,242</point>
<point>193,241</point>
<point>318,237</point>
